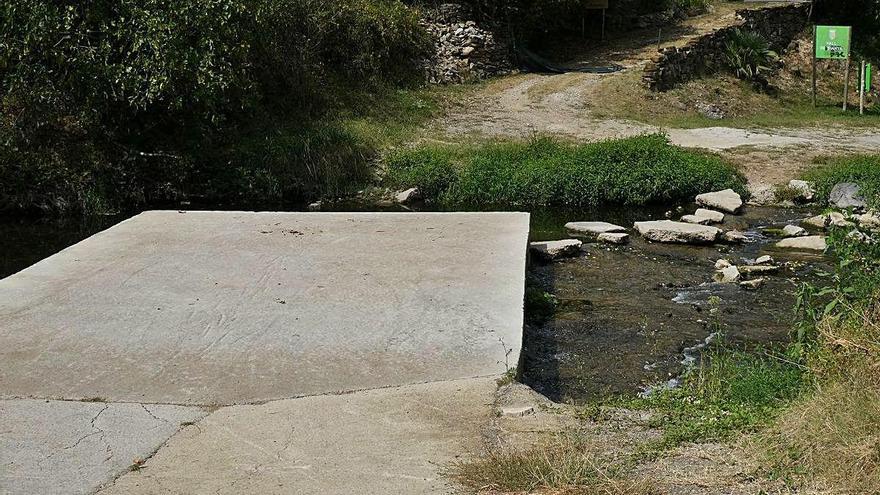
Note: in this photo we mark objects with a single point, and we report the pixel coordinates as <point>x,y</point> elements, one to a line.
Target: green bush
<point>544,172</point>
<point>113,104</point>
<point>863,170</point>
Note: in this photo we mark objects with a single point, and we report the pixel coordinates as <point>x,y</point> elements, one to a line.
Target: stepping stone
<point>613,238</point>
<point>727,201</point>
<point>763,260</point>
<point>810,243</point>
<point>594,228</point>
<point>794,231</point>
<point>704,217</point>
<point>817,222</point>
<point>677,232</point>
<point>734,237</point>
<point>728,275</point>
<point>552,250</point>
<point>753,284</point>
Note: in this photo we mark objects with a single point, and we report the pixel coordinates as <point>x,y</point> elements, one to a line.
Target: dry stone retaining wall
<point>463,49</point>
<point>704,55</point>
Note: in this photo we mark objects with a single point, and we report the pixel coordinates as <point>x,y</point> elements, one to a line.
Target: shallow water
<point>634,316</point>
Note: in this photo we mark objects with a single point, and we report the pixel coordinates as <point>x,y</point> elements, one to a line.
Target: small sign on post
<point>832,42</point>
<point>596,5</point>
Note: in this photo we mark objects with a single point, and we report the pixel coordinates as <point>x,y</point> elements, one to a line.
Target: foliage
<point>748,54</point>
<point>863,170</point>
<point>639,170</point>
<point>114,104</point>
<point>831,436</point>
<point>728,393</point>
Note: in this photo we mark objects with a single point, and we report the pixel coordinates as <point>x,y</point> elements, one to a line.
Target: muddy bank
<point>631,317</point>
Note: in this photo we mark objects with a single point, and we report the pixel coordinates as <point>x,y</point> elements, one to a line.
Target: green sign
<point>833,42</point>
<point>868,78</point>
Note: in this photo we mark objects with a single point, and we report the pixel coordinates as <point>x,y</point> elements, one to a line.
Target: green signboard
<point>868,78</point>
<point>833,42</point>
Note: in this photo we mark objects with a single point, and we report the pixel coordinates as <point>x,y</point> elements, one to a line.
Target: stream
<point>628,317</point>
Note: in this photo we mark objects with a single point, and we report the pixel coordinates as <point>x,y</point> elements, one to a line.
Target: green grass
<point>863,170</point>
<point>546,172</point>
<point>730,393</point>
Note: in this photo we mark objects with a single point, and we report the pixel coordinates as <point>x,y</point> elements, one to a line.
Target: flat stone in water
<point>552,250</point>
<point>613,238</point>
<point>677,232</point>
<point>704,217</point>
<point>594,228</point>
<point>728,201</point>
<point>794,231</point>
<point>810,243</point>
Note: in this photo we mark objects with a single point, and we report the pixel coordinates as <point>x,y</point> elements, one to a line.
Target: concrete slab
<point>69,448</point>
<point>397,440</point>
<point>223,308</point>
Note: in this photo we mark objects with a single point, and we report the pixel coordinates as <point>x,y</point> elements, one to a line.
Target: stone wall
<point>463,49</point>
<point>705,55</point>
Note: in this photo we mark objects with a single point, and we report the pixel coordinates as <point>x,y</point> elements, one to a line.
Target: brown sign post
<point>595,5</point>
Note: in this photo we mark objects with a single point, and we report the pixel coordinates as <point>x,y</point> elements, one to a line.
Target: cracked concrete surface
<point>396,440</point>
<point>219,308</point>
<point>415,314</point>
<point>58,447</point>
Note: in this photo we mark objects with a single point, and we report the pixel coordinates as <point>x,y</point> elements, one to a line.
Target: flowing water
<point>628,317</point>
<point>635,316</point>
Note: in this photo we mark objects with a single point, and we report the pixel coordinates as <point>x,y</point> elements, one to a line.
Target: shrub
<point>544,172</point>
<point>863,170</point>
<point>748,54</point>
<point>116,104</point>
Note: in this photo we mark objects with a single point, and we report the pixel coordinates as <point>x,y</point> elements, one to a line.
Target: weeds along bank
<point>108,105</point>
<point>545,172</point>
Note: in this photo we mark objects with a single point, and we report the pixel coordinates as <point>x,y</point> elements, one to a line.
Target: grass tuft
<point>566,464</point>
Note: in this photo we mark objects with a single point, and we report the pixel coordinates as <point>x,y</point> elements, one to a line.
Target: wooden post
<point>813,57</point>
<point>603,24</point>
<point>846,86</point>
<point>862,80</point>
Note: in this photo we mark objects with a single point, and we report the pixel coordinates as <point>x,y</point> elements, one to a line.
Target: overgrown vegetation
<point>543,171</point>
<point>863,170</point>
<point>114,104</point>
<point>832,437</point>
<point>729,393</point>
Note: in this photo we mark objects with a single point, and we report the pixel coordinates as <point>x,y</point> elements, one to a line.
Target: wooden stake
<point>846,86</point>
<point>603,24</point>
<point>814,66</point>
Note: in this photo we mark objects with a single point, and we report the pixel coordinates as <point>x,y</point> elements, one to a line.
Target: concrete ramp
<point>210,308</point>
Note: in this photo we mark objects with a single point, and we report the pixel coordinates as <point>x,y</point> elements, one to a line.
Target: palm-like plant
<point>748,54</point>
